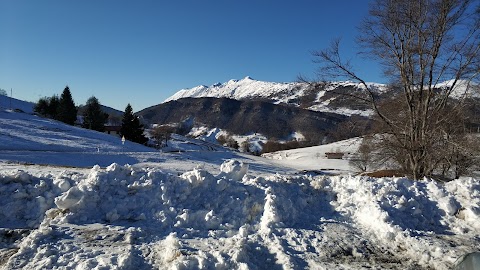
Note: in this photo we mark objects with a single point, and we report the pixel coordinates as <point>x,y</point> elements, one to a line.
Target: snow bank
<point>466,192</point>
<point>401,213</point>
<point>139,218</point>
<point>195,199</point>
<point>26,198</point>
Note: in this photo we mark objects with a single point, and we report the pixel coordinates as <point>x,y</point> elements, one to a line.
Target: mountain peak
<point>235,89</point>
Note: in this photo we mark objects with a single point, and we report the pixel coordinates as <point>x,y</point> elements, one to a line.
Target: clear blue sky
<point>141,52</point>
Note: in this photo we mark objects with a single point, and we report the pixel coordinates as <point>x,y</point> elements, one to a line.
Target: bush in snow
<point>161,134</point>
<point>228,141</point>
<point>363,159</point>
<point>273,146</point>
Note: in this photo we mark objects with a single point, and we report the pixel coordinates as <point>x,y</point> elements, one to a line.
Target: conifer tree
<point>67,112</point>
<point>48,107</point>
<point>53,106</point>
<point>127,120</point>
<point>93,116</point>
<point>42,106</point>
<point>131,128</point>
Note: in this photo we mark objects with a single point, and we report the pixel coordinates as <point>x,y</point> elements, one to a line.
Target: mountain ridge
<point>245,116</point>
<point>300,94</point>
<point>321,96</point>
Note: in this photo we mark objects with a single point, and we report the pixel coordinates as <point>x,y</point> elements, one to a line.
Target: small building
<point>334,155</point>
<point>113,130</point>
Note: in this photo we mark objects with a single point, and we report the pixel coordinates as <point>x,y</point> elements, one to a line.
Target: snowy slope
<point>21,131</point>
<point>34,139</point>
<point>205,207</point>
<point>15,104</point>
<point>31,139</point>
<point>313,158</point>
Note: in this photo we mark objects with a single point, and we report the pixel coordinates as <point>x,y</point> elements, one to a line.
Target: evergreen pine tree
<point>93,116</point>
<point>47,106</point>
<point>127,120</point>
<point>138,131</point>
<point>131,128</point>
<point>42,106</point>
<point>53,107</point>
<point>67,112</point>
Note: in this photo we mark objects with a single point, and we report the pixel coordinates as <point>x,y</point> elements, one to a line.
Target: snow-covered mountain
<point>240,89</point>
<point>316,98</point>
<point>321,97</point>
<point>243,117</point>
<point>460,88</point>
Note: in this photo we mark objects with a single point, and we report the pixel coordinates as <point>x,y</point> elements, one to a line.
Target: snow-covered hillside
<point>15,104</point>
<point>204,207</point>
<point>313,158</point>
<point>33,139</point>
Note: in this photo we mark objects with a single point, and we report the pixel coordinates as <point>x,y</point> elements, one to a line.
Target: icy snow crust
<point>124,217</point>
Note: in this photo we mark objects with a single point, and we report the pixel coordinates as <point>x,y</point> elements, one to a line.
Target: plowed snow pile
<point>124,217</point>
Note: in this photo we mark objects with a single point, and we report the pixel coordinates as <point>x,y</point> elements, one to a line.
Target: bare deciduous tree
<point>364,157</point>
<point>161,134</point>
<point>420,44</point>
<point>356,126</point>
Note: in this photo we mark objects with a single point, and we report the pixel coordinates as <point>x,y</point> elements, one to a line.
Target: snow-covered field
<point>314,159</point>
<point>201,206</point>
